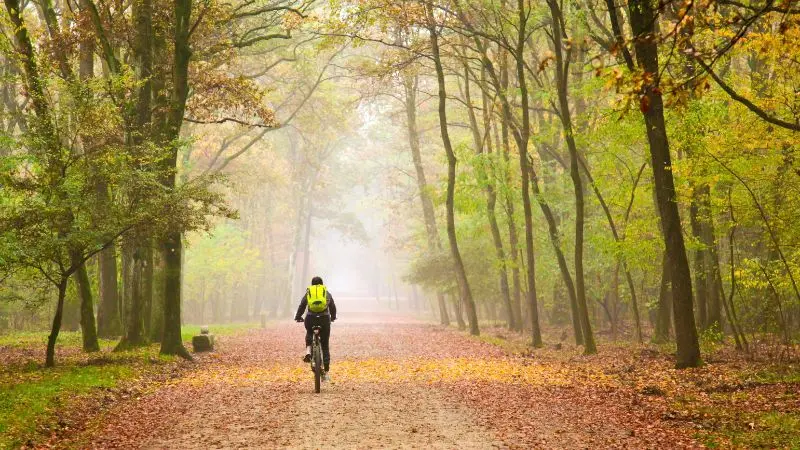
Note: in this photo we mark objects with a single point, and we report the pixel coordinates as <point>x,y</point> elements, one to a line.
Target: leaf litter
<point>400,384</point>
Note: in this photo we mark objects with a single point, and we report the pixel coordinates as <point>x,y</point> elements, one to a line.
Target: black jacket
<point>329,311</point>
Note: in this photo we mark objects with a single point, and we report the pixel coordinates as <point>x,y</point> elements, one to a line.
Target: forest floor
<point>401,383</point>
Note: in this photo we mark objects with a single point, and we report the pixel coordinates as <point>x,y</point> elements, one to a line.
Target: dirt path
<point>395,384</point>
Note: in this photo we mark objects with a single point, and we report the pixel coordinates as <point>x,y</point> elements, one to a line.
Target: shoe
<point>307,358</point>
<point>325,376</point>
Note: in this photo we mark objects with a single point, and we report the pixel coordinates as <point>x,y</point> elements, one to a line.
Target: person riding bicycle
<point>321,312</point>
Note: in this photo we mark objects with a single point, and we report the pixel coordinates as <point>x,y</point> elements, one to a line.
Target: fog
<point>335,190</point>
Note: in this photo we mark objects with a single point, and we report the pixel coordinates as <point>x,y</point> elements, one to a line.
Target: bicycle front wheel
<point>317,357</point>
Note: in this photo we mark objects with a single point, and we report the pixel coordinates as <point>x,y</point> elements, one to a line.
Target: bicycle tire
<point>317,358</point>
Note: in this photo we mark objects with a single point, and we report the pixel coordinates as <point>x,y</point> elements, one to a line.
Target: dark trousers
<point>324,324</point>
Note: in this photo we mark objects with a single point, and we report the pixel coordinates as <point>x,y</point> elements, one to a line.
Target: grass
<point>31,396</point>
<point>33,338</point>
<point>768,430</point>
<point>73,338</point>
<point>224,329</point>
<point>38,394</point>
<point>510,344</point>
<point>775,374</point>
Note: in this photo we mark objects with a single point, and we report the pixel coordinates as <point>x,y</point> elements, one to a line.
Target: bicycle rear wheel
<point>317,360</point>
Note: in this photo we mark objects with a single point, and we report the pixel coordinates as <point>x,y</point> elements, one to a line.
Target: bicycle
<point>316,358</point>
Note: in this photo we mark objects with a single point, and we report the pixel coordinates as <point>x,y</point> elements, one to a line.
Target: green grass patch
<point>225,329</point>
<point>510,345</point>
<point>39,394</point>
<point>761,430</point>
<point>25,339</point>
<point>34,338</point>
<point>31,395</point>
<point>38,339</point>
<point>774,374</point>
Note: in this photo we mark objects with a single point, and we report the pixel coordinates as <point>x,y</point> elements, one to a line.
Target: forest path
<point>396,383</point>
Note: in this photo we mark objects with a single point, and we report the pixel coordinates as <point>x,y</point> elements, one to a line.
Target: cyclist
<point>321,312</point>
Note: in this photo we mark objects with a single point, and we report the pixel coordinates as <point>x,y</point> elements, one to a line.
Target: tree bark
<point>521,136</point>
<point>108,321</point>
<point>555,240</point>
<point>458,311</point>
<point>461,275</point>
<point>171,343</point>
<point>86,308</point>
<point>50,355</point>
<point>617,238</point>
<point>562,78</point>
<point>513,239</point>
<point>88,325</point>
<point>709,241</point>
<point>642,16</point>
<point>700,283</point>
<point>133,268</point>
<point>410,85</point>
<point>147,289</point>
<point>484,143</point>
<point>522,142</point>
<point>171,245</point>
<point>730,309</point>
<point>157,304</point>
<point>664,310</point>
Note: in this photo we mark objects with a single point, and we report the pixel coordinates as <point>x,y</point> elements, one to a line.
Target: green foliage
<point>433,271</point>
<point>711,339</point>
<point>217,265</point>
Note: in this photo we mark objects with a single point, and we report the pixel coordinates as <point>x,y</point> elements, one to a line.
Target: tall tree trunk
<point>171,343</point>
<point>513,239</point>
<point>134,296</point>
<point>461,275</point>
<point>521,136</point>
<point>88,325</point>
<point>617,238</point>
<point>171,245</point>
<point>562,78</point>
<point>555,240</point>
<point>522,143</point>
<point>458,311</point>
<point>138,293</point>
<point>664,309</point>
<point>701,283</point>
<point>45,131</point>
<point>147,289</point>
<point>730,309</point>
<point>410,85</point>
<point>50,355</point>
<point>485,143</point>
<point>292,282</point>
<point>157,304</point>
<point>709,241</point>
<point>642,14</point>
<point>108,320</point>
